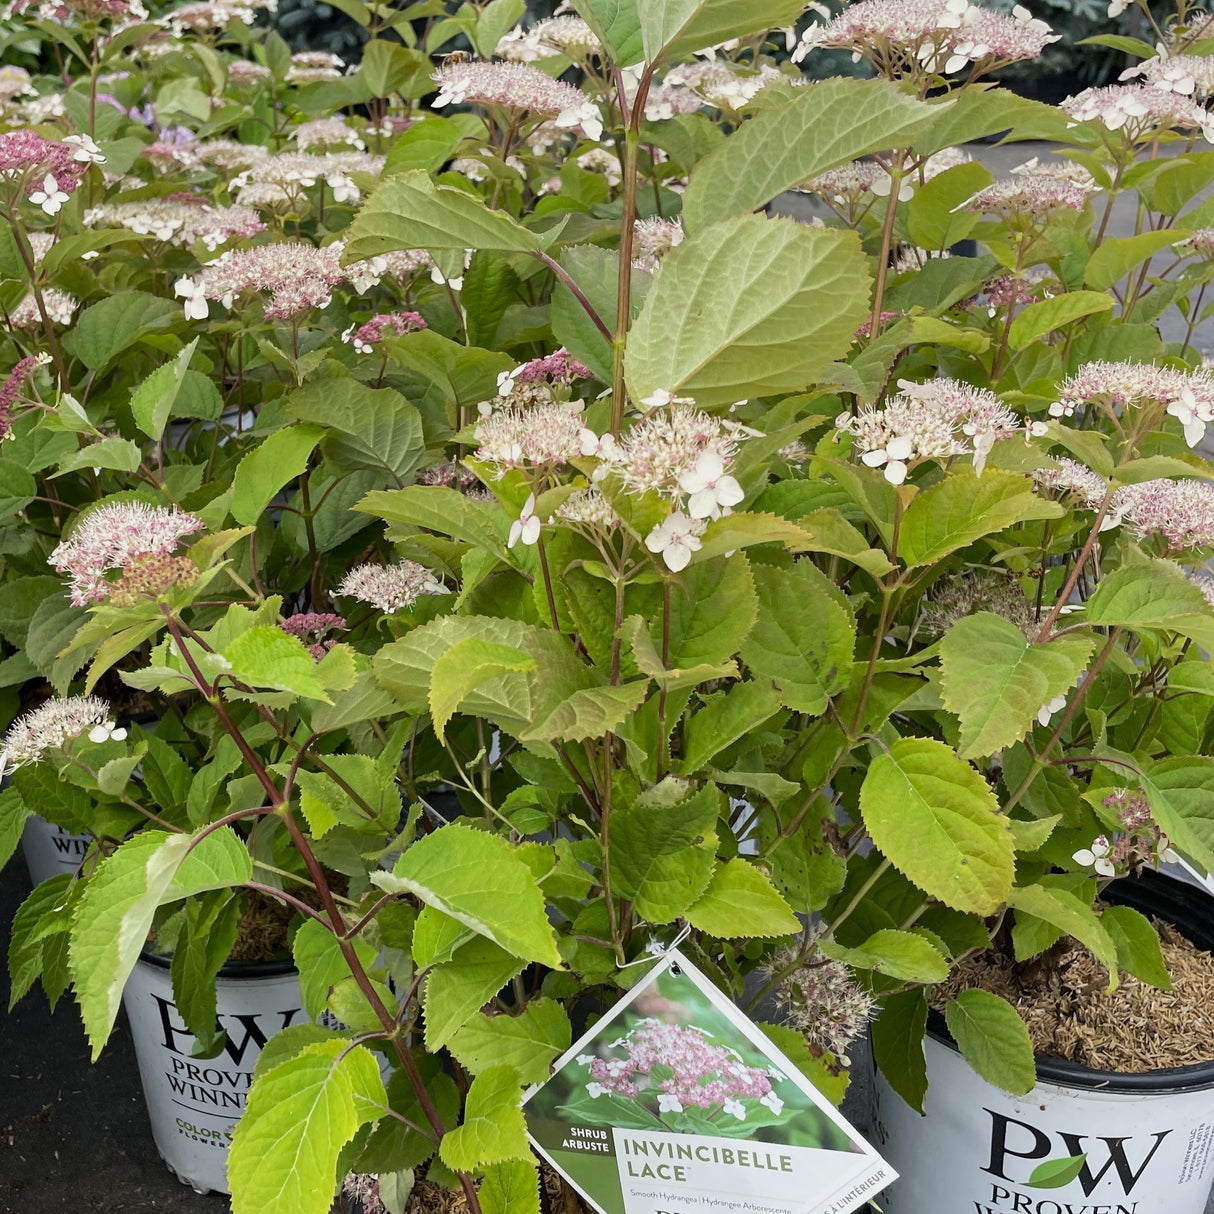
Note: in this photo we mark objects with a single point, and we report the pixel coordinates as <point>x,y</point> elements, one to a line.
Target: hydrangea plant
<point>808,587</point>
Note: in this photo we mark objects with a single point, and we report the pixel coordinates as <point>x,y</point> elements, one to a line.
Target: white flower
<point>1036,430</point>
<point>585,1059</point>
<point>106,732</point>
<point>892,457</point>
<point>526,527</point>
<point>735,1107</point>
<point>713,492</point>
<point>663,398</point>
<point>883,184</point>
<point>87,152</point>
<point>601,446</point>
<point>50,198</point>
<point>1096,856</point>
<point>669,1104</point>
<point>1057,704</point>
<point>1117,7</point>
<point>773,1102</point>
<point>595,1090</point>
<point>1192,415</point>
<point>676,539</point>
<point>195,299</point>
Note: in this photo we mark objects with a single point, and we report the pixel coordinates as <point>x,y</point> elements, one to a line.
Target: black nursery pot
<point>1147,1139</point>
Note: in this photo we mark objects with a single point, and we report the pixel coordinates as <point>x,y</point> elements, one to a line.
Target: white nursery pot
<point>50,850</point>
<point>1148,1138</point>
<point>194,1103</point>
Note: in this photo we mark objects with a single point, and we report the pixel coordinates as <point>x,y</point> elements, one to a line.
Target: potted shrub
<point>799,587</point>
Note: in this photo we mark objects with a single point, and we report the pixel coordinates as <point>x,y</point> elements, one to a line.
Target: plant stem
<point>577,293</point>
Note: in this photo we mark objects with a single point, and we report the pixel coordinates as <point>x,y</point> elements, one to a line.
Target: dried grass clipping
<point>1069,1014</point>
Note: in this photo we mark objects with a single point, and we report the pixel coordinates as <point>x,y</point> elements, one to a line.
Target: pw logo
<point>1019,1140</point>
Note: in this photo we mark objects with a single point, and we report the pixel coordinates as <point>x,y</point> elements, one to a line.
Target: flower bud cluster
<point>60,306</point>
<point>1073,479</point>
<point>823,1002</point>
<point>366,336</point>
<point>311,67</point>
<point>390,588</point>
<point>46,171</point>
<point>1180,512</point>
<point>312,628</point>
<point>566,35</point>
<point>957,595</point>
<point>10,391</point>
<point>936,420</point>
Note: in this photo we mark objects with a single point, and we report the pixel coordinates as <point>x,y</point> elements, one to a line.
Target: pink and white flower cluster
<point>390,588</point>
<point>1181,512</point>
<point>179,219</point>
<point>706,1076</point>
<point>46,171</point>
<point>936,420</point>
<point>51,725</point>
<point>1139,111</point>
<point>365,337</point>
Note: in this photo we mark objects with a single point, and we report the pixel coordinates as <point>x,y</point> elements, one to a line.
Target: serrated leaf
<point>321,966</point>
<point>804,637</point>
<point>298,1118</point>
<point>993,1040</point>
<point>588,713</point>
<point>1152,595</point>
<point>1137,943</point>
<point>712,609</point>
<point>725,717</point>
<point>936,819</point>
<point>996,681</point>
<point>829,531</point>
<point>465,666</point>
<point>118,454</point>
<point>744,529</point>
<point>902,955</point>
<point>1071,915</point>
<point>440,509</point>
<point>1116,256</point>
<point>741,901</point>
<point>748,307</point>
<point>493,1129</point>
<point>268,468</point>
<point>672,29</point>
<point>1047,315</point>
<point>595,271</point>
<point>827,124</point>
<point>152,402</point>
<point>409,211</point>
<point>26,942</point>
<point>963,508</point>
<point>898,1034</point>
<point>662,855</point>
<point>114,915</point>
<point>649,661</point>
<point>269,657</point>
<point>456,990</point>
<point>479,880</point>
<point>527,1042</point>
<point>512,1187</point>
<point>427,145</point>
<point>203,944</point>
<point>104,329</point>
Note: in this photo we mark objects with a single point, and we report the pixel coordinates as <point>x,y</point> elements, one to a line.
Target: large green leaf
<point>104,329</point>
<point>378,427</point>
<point>902,955</point>
<point>318,957</point>
<point>152,401</point>
<point>464,667</point>
<point>993,1040</point>
<point>996,682</point>
<point>493,1129</point>
<point>1045,316</point>
<point>269,467</point>
<point>203,944</point>
<point>440,509</point>
<point>936,819</point>
<point>725,717</point>
<point>1137,943</point>
<point>512,1187</point>
<point>596,273</point>
<point>479,880</point>
<point>662,852</point>
<point>409,211</point>
<point>1070,914</point>
<point>299,1116</point>
<point>748,307</point>
<point>17,488</point>
<point>898,1034</point>
<point>673,29</point>
<point>827,124</point>
<point>1154,595</point>
<point>618,27</point>
<point>1181,795</point>
<point>265,656</point>
<point>804,637</point>
<point>588,713</point>
<point>713,607</point>
<point>741,901</point>
<point>963,508</point>
<point>527,1042</point>
<point>113,917</point>
<point>457,989</point>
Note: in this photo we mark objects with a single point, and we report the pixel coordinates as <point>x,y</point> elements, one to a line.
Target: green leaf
<point>649,661</point>
<point>713,607</point>
<point>1047,315</point>
<point>152,402</point>
<point>903,955</point>
<point>898,1034</point>
<point>748,307</point>
<point>1137,943</point>
<point>827,124</point>
<point>935,217</point>
<point>27,940</point>
<point>299,1116</point>
<point>963,508</point>
<point>490,286</point>
<point>114,915</point>
<point>409,211</point>
<point>465,666</point>
<point>1055,1173</point>
<point>745,529</point>
<point>327,803</point>
<point>595,271</point>
<point>830,1080</point>
<point>996,682</point>
<point>269,657</point>
<point>588,713</point>
<point>440,509</point>
<point>494,20</point>
<point>741,901</point>
<point>493,1130</point>
<point>936,819</point>
<point>726,716</point>
<point>673,29</point>
<point>993,1040</point>
<point>527,1042</point>
<point>104,329</point>
<point>318,957</point>
<point>203,944</point>
<point>427,145</point>
<point>456,990</point>
<point>1070,914</point>
<point>804,638</point>
<point>1115,257</point>
<point>980,111</point>
<point>120,454</point>
<point>14,813</point>
<point>1181,795</point>
<point>662,851</point>
<point>379,428</point>
<point>479,880</point>
<point>830,532</point>
<point>618,27</point>
<point>1154,595</point>
<point>512,1187</point>
<point>388,67</point>
<point>268,467</point>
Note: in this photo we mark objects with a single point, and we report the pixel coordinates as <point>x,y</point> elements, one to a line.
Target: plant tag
<point>677,1103</point>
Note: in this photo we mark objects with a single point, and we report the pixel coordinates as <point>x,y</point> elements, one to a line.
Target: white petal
<point>729,492</point>
<point>530,530</point>
<point>678,556</point>
<point>900,447</point>
<point>1084,856</point>
<point>702,504</point>
<point>895,472</point>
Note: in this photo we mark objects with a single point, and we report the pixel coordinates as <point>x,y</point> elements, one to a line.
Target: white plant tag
<point>676,1103</point>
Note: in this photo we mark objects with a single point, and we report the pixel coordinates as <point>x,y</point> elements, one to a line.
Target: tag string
<point>655,949</point>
